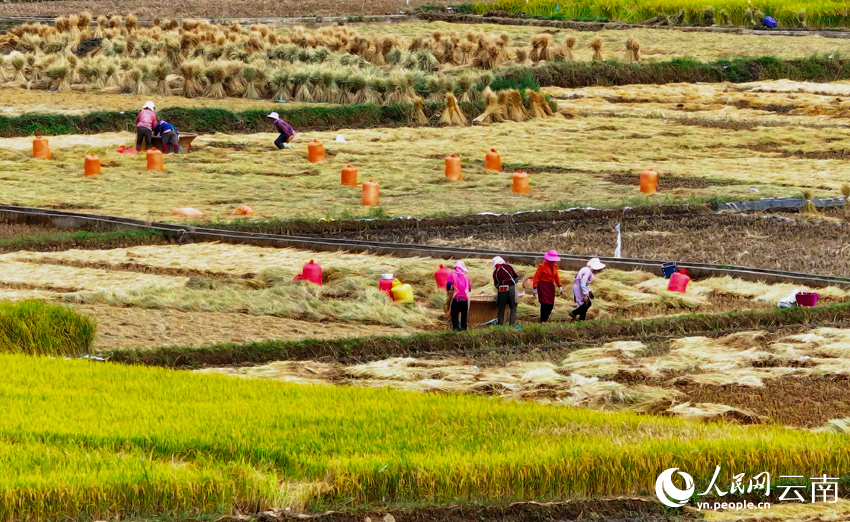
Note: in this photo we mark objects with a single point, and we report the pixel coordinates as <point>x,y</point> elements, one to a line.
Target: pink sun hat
<point>552,255</point>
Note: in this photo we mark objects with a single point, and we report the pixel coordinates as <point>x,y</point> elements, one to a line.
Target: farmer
<point>505,279</point>
<point>169,134</point>
<point>286,131</point>
<point>545,280</point>
<point>581,288</point>
<point>145,122</point>
<point>458,288</point>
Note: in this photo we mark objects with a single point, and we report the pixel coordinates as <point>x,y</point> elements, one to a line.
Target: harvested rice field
<point>584,161</point>
<point>196,294</point>
<point>727,142</point>
<point>655,45</point>
<point>796,379</point>
<point>792,242</point>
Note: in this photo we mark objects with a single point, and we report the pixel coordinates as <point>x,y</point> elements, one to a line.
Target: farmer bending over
<point>286,131</point>
<point>581,288</point>
<point>169,135</point>
<point>145,122</point>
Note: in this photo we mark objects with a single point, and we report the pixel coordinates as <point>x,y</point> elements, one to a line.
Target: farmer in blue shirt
<point>169,134</point>
<point>286,131</point>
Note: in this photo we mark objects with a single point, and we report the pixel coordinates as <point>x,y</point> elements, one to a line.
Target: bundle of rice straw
<point>596,45</point>
<point>419,116</point>
<point>495,112</point>
<point>515,109</point>
<point>567,51</point>
<point>845,191</point>
<point>632,50</point>
<point>452,115</point>
<point>541,48</point>
<point>809,206</point>
<point>539,106</point>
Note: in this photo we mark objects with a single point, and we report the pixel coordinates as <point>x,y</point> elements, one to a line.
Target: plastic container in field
<point>807,299</point>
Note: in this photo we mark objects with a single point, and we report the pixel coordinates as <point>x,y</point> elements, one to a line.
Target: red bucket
<point>807,299</point>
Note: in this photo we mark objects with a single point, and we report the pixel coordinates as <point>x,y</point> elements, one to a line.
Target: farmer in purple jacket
<point>286,131</point>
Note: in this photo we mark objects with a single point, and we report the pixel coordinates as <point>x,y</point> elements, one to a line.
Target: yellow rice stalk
<point>596,45</point>
<point>452,115</point>
<point>632,50</point>
<point>419,116</point>
<point>515,108</point>
<point>495,112</point>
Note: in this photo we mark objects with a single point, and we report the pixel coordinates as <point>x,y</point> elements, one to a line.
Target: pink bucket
<point>807,299</point>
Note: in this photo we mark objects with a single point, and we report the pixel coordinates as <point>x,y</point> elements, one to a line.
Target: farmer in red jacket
<point>145,123</point>
<point>285,129</point>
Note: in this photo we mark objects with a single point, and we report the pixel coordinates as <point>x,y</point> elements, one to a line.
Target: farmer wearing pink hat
<point>458,287</point>
<point>545,280</point>
<point>581,288</point>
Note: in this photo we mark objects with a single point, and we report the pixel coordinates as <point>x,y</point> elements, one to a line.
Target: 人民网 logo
<point>668,493</point>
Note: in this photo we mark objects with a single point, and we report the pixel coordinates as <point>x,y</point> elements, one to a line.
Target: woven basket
<point>482,308</point>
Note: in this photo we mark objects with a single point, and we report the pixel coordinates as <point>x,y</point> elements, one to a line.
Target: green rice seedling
<point>36,328</point>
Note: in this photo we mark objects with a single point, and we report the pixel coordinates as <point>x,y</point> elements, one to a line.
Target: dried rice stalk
<point>495,112</point>
<point>452,115</point>
<point>596,45</point>
<point>809,206</point>
<point>515,108</point>
<point>632,50</point>
<point>419,116</point>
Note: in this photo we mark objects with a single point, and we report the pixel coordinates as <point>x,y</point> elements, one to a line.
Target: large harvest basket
<point>184,141</point>
<point>482,309</point>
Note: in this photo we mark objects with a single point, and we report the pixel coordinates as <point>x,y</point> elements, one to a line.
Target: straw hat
<point>460,265</point>
<point>149,105</point>
<point>553,256</point>
<point>498,261</point>
<point>595,264</point>
<point>274,116</point>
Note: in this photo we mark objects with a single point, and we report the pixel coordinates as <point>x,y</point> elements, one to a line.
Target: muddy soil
<point>794,243</point>
<point>805,402</point>
<point>613,510</point>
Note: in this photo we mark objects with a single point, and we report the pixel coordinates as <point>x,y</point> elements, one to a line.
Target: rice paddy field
<point>551,422</point>
<point>197,294</point>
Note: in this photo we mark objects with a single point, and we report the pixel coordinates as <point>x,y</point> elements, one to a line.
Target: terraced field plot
<point>196,294</point>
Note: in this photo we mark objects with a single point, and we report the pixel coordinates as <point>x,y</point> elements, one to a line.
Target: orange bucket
<point>492,161</point>
<point>315,151</point>
<point>520,183</point>
<point>92,165</point>
<point>40,148</point>
<point>154,159</point>
<point>349,176</point>
<point>453,168</point>
<point>370,193</point>
<point>649,181</point>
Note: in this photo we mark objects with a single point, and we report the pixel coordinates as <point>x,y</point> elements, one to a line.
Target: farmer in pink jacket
<point>145,123</point>
<point>458,287</point>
